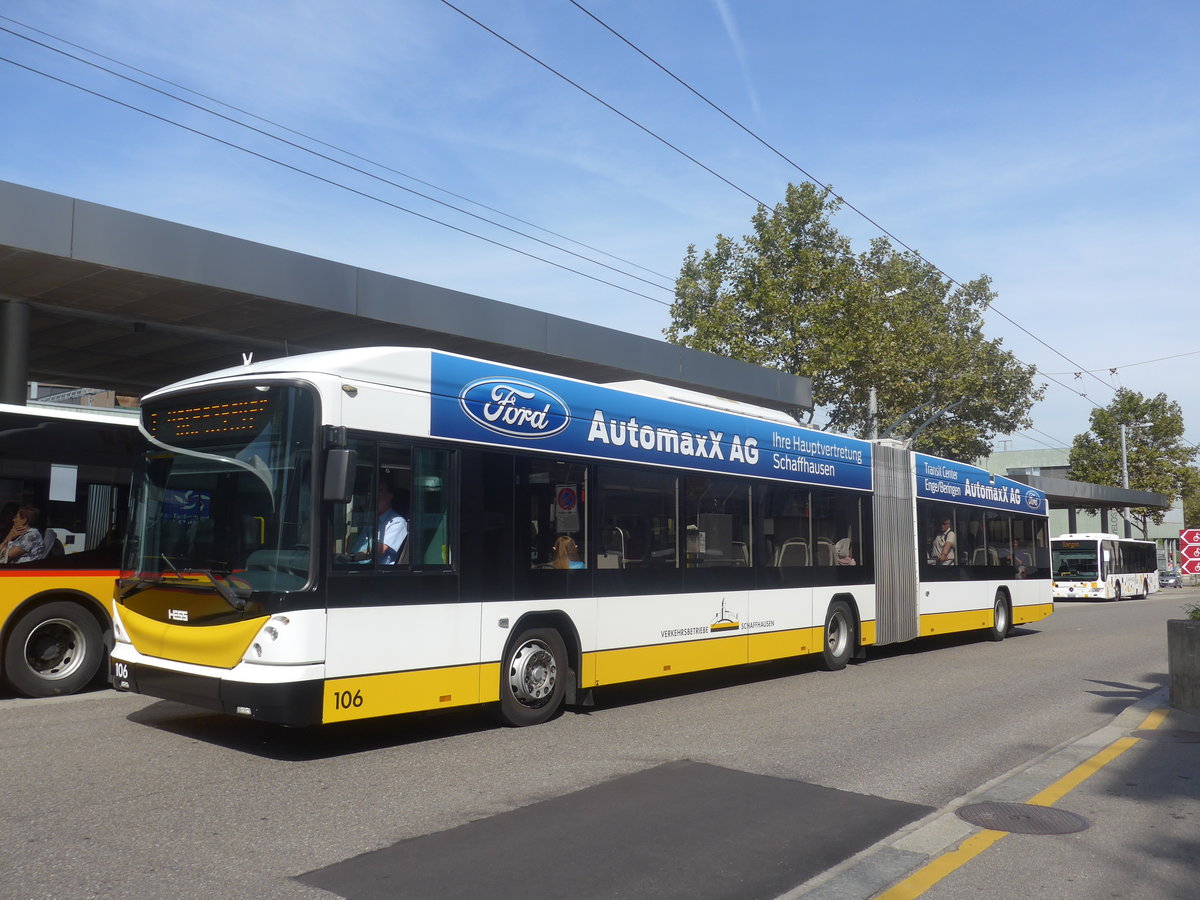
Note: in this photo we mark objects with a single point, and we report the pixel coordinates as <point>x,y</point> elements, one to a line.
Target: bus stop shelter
<point>1076,495</point>
<point>100,297</point>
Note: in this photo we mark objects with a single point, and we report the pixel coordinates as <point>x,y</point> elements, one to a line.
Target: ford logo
<point>1032,500</point>
<point>514,408</point>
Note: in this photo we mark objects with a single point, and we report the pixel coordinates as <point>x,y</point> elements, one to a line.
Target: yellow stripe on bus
<point>393,693</point>
<point>970,620</point>
<point>220,646</point>
<point>1023,614</point>
<point>16,587</point>
<point>947,623</point>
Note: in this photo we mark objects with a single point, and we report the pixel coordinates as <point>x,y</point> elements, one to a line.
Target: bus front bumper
<point>291,703</point>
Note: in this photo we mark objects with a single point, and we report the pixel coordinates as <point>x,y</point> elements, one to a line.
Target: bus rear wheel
<point>838,642</point>
<point>1001,618</point>
<point>53,649</point>
<point>532,678</point>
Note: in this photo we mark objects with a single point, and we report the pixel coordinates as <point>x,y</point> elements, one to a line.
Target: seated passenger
<point>565,554</point>
<point>842,552</point>
<point>391,532</point>
<point>391,528</point>
<point>944,549</point>
<point>23,542</point>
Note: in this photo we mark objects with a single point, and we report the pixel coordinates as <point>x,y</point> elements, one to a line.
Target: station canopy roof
<point>130,303</point>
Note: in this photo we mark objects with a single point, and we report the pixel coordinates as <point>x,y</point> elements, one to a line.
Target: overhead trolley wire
<point>813,179</point>
<point>603,103</point>
<point>322,178</point>
<point>331,159</point>
<point>316,140</point>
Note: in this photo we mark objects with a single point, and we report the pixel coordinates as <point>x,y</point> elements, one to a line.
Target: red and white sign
<point>1189,551</point>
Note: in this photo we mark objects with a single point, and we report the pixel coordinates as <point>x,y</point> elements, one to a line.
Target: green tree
<point>1156,456</point>
<point>1191,498</point>
<point>794,296</point>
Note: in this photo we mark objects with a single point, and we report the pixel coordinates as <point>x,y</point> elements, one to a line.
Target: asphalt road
<point>722,785</point>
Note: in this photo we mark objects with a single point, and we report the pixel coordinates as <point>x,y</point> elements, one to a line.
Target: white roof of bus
<point>1095,536</point>
<point>388,365</point>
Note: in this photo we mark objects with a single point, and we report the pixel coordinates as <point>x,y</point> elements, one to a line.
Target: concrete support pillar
<point>14,351</point>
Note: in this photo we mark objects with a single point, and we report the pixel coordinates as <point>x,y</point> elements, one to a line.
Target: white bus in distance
<point>379,531</point>
<point>1102,566</point>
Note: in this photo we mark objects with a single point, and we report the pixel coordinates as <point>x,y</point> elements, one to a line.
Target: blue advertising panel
<point>484,402</point>
<point>941,479</point>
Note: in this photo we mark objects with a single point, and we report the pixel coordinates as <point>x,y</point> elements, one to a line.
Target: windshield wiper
<point>234,596</point>
<point>127,587</point>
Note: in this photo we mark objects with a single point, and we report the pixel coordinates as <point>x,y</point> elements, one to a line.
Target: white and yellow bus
<point>1102,566</point>
<point>385,530</point>
<point>69,469</point>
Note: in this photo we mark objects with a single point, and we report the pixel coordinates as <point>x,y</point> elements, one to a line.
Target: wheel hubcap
<point>54,649</point>
<point>533,673</point>
<point>837,635</point>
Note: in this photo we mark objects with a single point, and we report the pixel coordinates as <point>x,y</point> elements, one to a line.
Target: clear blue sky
<point>1052,146</point>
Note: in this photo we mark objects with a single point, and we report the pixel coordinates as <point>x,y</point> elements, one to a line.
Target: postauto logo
<point>514,408</point>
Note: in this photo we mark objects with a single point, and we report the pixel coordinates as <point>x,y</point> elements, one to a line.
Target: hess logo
<point>514,408</point>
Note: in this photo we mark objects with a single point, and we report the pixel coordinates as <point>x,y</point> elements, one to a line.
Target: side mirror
<point>339,475</point>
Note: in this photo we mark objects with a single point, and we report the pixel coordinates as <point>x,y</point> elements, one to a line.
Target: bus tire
<point>838,639</point>
<point>1001,618</point>
<point>53,649</point>
<point>1117,593</point>
<point>533,677</point>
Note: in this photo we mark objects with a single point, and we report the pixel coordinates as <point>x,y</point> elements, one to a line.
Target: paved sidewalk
<point>1139,799</point>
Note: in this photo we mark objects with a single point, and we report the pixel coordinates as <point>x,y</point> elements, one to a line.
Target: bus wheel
<point>839,636</point>
<point>53,649</point>
<point>1001,619</point>
<point>531,682</point>
<point>1117,593</point>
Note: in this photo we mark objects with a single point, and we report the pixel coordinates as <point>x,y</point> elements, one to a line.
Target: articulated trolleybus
<point>1103,566</point>
<point>379,531</point>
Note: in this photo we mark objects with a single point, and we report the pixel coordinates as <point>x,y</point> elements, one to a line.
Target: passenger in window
<point>842,552</point>
<point>391,528</point>
<point>944,545</point>
<point>391,531</point>
<point>22,542</point>
<point>1020,560</point>
<point>566,553</point>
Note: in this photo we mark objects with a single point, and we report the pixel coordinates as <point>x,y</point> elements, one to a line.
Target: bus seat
<point>52,547</point>
<point>793,552</point>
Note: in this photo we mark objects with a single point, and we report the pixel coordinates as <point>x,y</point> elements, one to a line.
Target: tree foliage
<point>1156,456</point>
<point>1191,498</point>
<point>794,296</point>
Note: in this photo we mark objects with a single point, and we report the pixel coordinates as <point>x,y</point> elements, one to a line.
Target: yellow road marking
<point>934,871</point>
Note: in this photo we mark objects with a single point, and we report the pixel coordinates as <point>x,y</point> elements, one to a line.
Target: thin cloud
<point>735,40</point>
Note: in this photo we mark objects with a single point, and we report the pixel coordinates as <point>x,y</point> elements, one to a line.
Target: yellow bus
<point>64,478</point>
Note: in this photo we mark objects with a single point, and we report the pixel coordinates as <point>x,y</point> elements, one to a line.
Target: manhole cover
<point>1022,818</point>
<point>1169,736</point>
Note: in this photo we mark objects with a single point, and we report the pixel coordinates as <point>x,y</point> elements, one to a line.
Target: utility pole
<point>1125,479</point>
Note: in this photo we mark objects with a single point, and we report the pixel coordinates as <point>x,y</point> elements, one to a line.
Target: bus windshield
<point>1075,560</point>
<point>224,499</point>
